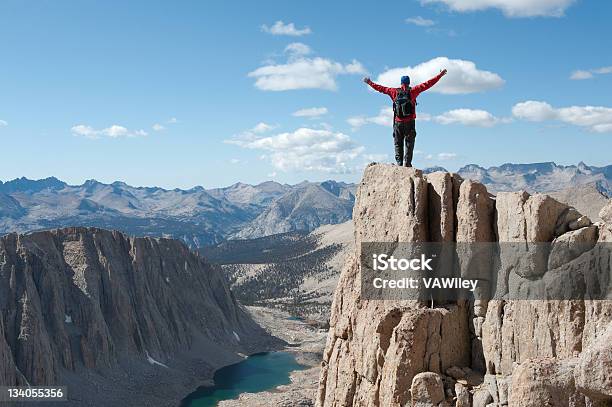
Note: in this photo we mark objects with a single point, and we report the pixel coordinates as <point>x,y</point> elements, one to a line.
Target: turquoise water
<point>260,372</point>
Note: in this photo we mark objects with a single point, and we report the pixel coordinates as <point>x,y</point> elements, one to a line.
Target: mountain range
<point>201,217</point>
<point>538,177</point>
<point>197,216</point>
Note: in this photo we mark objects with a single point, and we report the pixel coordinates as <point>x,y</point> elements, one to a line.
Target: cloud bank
<point>280,28</point>
<point>597,119</point>
<point>420,21</point>
<point>463,76</point>
<point>306,149</point>
<point>589,74</point>
<point>303,73</point>
<point>311,112</point>
<point>114,131</point>
<point>510,8</point>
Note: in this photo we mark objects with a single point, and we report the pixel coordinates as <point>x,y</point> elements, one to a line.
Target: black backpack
<point>403,106</point>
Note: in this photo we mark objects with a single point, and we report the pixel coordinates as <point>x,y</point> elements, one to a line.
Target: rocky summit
<point>111,317</point>
<point>498,352</point>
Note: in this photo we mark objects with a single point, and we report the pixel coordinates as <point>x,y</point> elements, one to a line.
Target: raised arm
<point>379,88</point>
<point>422,87</point>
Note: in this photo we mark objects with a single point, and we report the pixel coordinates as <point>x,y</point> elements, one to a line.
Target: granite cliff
<point>494,351</point>
<point>119,320</point>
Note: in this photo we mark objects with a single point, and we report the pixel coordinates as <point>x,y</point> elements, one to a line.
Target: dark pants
<point>404,132</point>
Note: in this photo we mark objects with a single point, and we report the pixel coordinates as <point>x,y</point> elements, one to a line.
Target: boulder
<point>593,372</point>
<point>570,245</point>
<point>481,397</point>
<point>427,390</point>
<point>544,382</point>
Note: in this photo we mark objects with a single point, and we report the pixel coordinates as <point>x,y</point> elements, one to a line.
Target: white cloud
<point>298,49</point>
<point>534,111</point>
<point>3,123</point>
<point>383,118</point>
<point>262,127</point>
<point>357,121</point>
<point>311,112</point>
<point>603,70</point>
<point>437,157</point>
<point>306,149</point>
<point>162,127</point>
<point>446,156</point>
<point>588,74</point>
<point>303,73</point>
<point>234,161</point>
<point>597,119</point>
<point>280,28</point>
<point>114,131</point>
<point>420,21</point>
<point>511,8</point>
<point>469,117</point>
<point>580,75</point>
<point>462,77</point>
<point>254,132</point>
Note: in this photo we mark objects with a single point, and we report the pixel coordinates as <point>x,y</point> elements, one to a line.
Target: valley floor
<point>307,343</point>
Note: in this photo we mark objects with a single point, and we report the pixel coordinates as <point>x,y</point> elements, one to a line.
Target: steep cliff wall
<point>483,352</point>
<point>113,317</point>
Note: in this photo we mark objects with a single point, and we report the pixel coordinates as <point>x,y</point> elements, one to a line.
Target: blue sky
<point>187,93</point>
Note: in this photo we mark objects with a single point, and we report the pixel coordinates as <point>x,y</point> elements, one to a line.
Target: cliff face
<point>478,353</point>
<point>107,315</point>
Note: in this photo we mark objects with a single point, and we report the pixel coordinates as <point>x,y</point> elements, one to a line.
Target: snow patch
<point>67,319</point>
<point>168,280</point>
<point>236,336</point>
<point>153,361</point>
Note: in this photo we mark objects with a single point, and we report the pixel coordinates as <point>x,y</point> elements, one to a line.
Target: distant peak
<point>548,165</point>
<point>471,167</point>
<point>429,170</point>
<point>271,184</point>
<point>25,184</point>
<point>583,167</point>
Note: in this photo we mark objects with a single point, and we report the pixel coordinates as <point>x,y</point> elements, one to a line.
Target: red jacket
<point>414,92</point>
